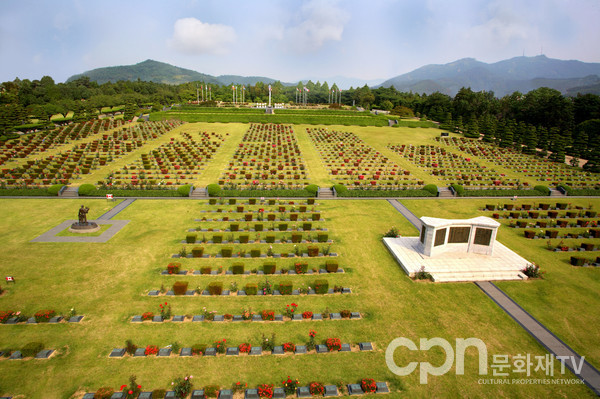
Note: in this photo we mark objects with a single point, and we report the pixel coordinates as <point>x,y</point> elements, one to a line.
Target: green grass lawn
<point>107,283</point>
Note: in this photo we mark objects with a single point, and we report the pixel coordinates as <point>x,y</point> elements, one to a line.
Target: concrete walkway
<point>573,361</point>
<point>113,212</point>
<point>415,221</point>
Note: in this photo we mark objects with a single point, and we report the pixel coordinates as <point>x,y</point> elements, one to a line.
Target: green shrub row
<point>501,193</point>
<point>265,193</point>
<point>17,192</point>
<point>386,193</point>
<point>579,191</point>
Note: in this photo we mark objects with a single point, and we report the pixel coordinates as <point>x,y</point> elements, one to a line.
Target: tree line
<point>540,119</point>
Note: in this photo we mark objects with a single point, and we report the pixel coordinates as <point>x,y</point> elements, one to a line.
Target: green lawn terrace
<point>32,144</point>
<point>268,157</point>
<point>451,167</point>
<point>354,163</point>
<point>526,166</point>
<point>176,162</point>
<point>85,156</point>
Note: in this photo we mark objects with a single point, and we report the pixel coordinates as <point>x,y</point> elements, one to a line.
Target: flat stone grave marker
<point>44,354</point>
<point>251,394</point>
<point>256,317</point>
<point>365,346</point>
<point>355,389</point>
<point>276,292</point>
<point>210,352</point>
<point>185,352</point>
<point>382,387</point>
<point>232,351</point>
<point>355,315</point>
<point>164,352</point>
<point>317,316</point>
<point>225,394</point>
<point>330,291</point>
<point>335,316</point>
<point>340,270</point>
<point>322,349</point>
<point>311,292</point>
<point>330,390</point>
<point>190,293</point>
<point>157,319</point>
<point>178,318</point>
<point>170,293</point>
<point>75,319</point>
<point>198,394</point>
<point>170,395</point>
<point>55,319</point>
<point>198,318</point>
<point>278,393</point>
<point>219,317</point>
<point>300,349</point>
<point>117,352</point>
<point>303,392</point>
<point>278,350</point>
<point>295,292</point>
<point>117,395</point>
<point>139,352</point>
<point>323,271</point>
<point>145,395</point>
<point>260,293</point>
<point>89,395</point>
<point>225,292</point>
<point>205,293</point>
<point>278,317</point>
<point>255,351</point>
<point>136,319</point>
<point>345,348</point>
<point>16,355</point>
<point>346,291</point>
<point>31,320</point>
<point>297,317</point>
<point>241,293</point>
<point>237,318</point>
<point>153,293</point>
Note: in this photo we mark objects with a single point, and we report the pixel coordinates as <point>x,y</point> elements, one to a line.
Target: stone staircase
<point>444,192</point>
<point>325,193</point>
<point>555,193</point>
<point>199,193</point>
<point>70,192</point>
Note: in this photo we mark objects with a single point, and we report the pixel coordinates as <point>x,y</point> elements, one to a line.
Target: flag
<point>269,87</point>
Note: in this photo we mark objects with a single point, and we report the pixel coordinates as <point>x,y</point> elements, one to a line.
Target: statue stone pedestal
<point>85,227</point>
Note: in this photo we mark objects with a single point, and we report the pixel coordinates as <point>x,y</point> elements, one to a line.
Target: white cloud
<point>320,21</point>
<point>193,36</point>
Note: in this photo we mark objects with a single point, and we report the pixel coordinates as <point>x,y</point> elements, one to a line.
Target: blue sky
<point>288,39</point>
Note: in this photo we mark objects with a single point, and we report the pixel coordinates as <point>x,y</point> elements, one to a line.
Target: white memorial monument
<point>454,250</point>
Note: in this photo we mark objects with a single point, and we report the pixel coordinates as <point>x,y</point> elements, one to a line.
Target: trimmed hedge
<point>340,189</point>
<point>321,286</point>
<point>55,188</point>
<point>331,266</point>
<point>29,192</point>
<point>191,238</point>
<point>180,287</point>
<point>312,189</point>
<point>184,190</point>
<point>269,268</point>
<point>237,268</point>
<point>542,189</point>
<point>458,189</point>
<point>213,190</point>
<point>167,192</point>
<point>432,188</point>
<point>501,193</point>
<point>86,189</point>
<point>386,193</point>
<point>197,252</point>
<point>285,288</point>
<point>251,289</point>
<point>215,288</point>
<point>265,193</point>
<point>579,191</point>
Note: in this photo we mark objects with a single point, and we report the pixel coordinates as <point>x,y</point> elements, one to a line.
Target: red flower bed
<point>316,388</point>
<point>151,350</point>
<point>289,347</point>
<point>265,391</point>
<point>368,385</point>
<point>307,315</point>
<point>334,344</point>
<point>147,316</point>
<point>44,315</point>
<point>245,347</point>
